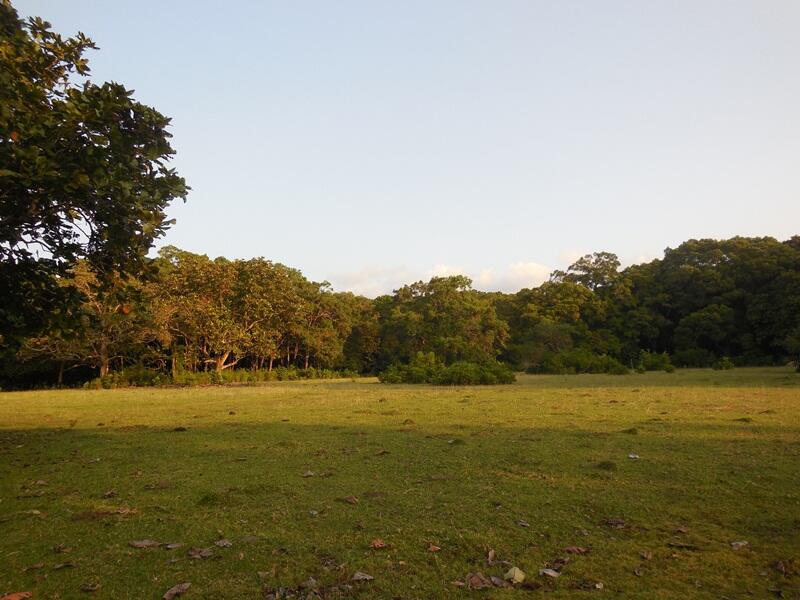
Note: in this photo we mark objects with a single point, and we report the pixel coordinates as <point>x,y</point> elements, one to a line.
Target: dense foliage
<point>83,176</point>
<point>707,303</point>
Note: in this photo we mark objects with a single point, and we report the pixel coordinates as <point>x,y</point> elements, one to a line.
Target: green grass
<point>459,468</point>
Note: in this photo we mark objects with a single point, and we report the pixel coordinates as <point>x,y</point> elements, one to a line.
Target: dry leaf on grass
<point>477,581</point>
<point>549,573</point>
<point>499,582</point>
<point>200,552</point>
<point>223,543</point>
<point>378,544</point>
<point>515,575</point>
<point>176,590</point>
<point>17,596</point>
<point>616,523</point>
<point>359,576</point>
<point>144,543</point>
<point>173,546</point>
<point>739,545</point>
<point>350,499</point>
<point>576,550</point>
<point>433,548</point>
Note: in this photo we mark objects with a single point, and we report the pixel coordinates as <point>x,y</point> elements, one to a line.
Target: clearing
<point>298,480</point>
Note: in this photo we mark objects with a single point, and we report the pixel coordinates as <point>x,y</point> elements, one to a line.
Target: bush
<point>654,361</point>
<point>578,360</point>
<point>141,376</point>
<point>426,368</point>
<point>723,364</point>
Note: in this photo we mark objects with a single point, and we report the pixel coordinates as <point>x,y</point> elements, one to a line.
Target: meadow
<point>657,485</point>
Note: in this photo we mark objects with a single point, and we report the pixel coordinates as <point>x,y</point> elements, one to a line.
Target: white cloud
<point>512,278</point>
<point>372,280</point>
<point>375,280</point>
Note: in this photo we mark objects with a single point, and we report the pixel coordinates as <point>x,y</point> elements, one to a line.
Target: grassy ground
<point>525,470</point>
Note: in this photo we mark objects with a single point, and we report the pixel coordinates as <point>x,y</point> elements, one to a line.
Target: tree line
<point>705,301</point>
<point>85,182</point>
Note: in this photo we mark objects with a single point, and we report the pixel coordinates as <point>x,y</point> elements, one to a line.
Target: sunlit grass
<point>460,468</point>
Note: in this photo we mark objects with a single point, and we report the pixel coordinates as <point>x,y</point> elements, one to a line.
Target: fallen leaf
<point>378,544</point>
<point>491,556</point>
<point>739,545</point>
<point>477,581</point>
<point>515,575</point>
<point>646,555</point>
<point>200,552</point>
<point>576,550</point>
<point>64,565</point>
<point>460,584</point>
<point>110,494</point>
<point>33,567</point>
<point>549,573</point>
<point>359,576</point>
<point>682,530</point>
<point>351,499</point>
<point>499,582</point>
<point>308,474</point>
<point>616,523</point>
<point>17,596</point>
<point>144,543</point>
<point>176,590</point>
<point>684,546</point>
<point>633,456</point>
<point>381,452</point>
<point>223,543</point>
<point>523,524</point>
<point>90,588</point>
<point>173,546</point>
<point>433,548</point>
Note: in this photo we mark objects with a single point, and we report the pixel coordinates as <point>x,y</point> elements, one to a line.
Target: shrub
<point>426,368</point>
<point>578,360</point>
<point>654,361</point>
<point>723,364</point>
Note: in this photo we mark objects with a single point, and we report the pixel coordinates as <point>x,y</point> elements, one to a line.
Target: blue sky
<point>374,143</point>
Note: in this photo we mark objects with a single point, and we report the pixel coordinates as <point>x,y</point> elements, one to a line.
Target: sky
<point>375,143</point>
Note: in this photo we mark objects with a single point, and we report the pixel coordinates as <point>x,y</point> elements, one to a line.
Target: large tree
<point>83,174</point>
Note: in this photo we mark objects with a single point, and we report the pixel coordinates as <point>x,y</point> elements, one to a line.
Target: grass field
<point>300,479</point>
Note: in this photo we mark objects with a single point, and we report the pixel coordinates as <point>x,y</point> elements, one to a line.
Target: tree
<point>594,271</point>
<point>83,175</point>
<point>444,316</point>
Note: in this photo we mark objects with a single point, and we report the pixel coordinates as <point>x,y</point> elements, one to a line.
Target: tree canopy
<point>84,175</point>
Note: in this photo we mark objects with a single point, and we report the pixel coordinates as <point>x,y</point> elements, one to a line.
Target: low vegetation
<point>656,485</point>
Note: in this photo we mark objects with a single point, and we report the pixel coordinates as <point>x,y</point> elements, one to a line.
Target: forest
<point>193,319</point>
<point>86,183</point>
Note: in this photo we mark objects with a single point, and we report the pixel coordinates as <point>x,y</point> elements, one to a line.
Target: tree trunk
<point>221,362</point>
<point>60,373</point>
<point>271,358</point>
<point>306,360</point>
<point>103,359</point>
